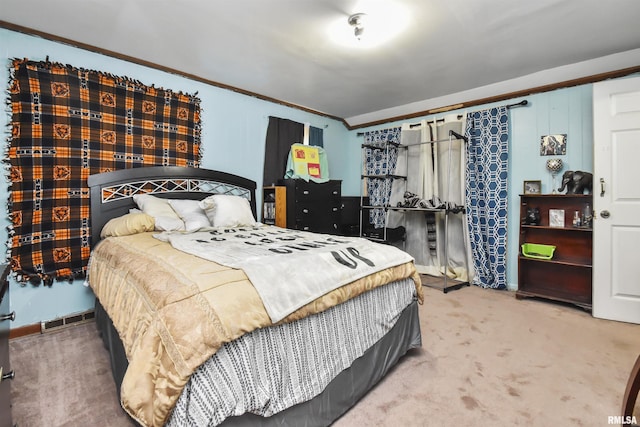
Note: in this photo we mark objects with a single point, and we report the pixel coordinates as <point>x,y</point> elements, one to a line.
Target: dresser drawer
<point>323,224</point>
<point>311,191</point>
<point>316,209</point>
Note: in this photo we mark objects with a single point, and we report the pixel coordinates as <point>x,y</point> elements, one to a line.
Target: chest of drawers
<point>313,206</point>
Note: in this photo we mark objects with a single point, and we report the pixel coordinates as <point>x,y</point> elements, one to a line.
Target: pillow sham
<point>125,225</point>
<point>191,213</point>
<point>224,210</point>
<point>166,219</point>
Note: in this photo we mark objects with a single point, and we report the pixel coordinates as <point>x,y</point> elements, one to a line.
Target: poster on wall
<point>553,145</point>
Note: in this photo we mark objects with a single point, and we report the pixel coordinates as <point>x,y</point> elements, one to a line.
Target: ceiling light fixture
<point>357,22</point>
<point>382,21</point>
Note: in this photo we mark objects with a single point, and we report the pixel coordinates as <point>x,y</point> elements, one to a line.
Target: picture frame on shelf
<point>556,218</point>
<point>532,187</point>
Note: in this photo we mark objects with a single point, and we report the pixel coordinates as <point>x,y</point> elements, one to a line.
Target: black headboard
<point>112,192</point>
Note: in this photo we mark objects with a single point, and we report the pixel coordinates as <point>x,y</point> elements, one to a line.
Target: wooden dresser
<point>6,374</point>
<point>313,206</point>
<point>567,276</point>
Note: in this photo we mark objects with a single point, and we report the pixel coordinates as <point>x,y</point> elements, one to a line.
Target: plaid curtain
<point>69,123</point>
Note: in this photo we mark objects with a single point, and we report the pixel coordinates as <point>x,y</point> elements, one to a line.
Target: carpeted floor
<point>487,360</point>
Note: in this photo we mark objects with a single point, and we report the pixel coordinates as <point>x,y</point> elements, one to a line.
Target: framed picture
<point>532,187</point>
<point>553,145</point>
<point>556,217</point>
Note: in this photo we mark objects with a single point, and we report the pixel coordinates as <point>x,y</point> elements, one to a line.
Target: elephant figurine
<point>576,182</point>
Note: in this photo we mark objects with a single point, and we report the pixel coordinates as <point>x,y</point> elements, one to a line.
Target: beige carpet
<point>487,360</point>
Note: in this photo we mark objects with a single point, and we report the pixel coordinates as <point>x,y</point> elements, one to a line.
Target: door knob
<point>605,214</point>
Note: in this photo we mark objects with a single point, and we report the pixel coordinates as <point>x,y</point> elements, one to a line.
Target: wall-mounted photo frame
<point>553,145</point>
<point>532,187</point>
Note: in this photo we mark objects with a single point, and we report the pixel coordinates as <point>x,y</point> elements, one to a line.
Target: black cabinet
<point>314,206</point>
<point>6,374</point>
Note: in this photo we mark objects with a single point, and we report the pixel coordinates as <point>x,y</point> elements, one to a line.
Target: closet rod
<point>413,125</point>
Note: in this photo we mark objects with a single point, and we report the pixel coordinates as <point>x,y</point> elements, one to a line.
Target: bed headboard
<point>112,192</point>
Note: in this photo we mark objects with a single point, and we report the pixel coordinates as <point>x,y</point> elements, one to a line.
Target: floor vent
<point>64,322</point>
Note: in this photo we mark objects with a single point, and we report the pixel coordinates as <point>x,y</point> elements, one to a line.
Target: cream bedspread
<point>174,310</point>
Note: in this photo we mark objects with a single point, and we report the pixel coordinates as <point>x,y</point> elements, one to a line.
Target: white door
<point>616,200</point>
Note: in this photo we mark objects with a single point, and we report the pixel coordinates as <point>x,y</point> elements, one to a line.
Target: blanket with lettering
<point>289,268</point>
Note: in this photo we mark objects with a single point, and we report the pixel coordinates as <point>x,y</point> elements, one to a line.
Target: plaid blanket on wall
<point>69,123</point>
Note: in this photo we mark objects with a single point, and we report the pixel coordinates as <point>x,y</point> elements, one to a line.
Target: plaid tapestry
<point>69,123</point>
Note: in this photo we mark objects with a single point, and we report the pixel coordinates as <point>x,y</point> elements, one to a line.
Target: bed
<point>184,351</point>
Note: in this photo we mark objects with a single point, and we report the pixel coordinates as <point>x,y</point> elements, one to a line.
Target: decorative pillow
<point>191,213</point>
<point>128,224</point>
<point>224,210</point>
<point>165,217</point>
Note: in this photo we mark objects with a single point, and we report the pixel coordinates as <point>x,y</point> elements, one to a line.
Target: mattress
<point>341,393</point>
<point>173,311</point>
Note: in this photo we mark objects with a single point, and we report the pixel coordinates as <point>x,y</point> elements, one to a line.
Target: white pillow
<point>224,210</point>
<point>166,219</point>
<point>191,213</point>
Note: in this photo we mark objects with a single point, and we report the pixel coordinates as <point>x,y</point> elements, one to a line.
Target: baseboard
<point>23,331</point>
<point>53,325</point>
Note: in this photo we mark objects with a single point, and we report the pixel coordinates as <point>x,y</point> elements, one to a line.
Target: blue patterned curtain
<point>486,194</point>
<point>378,162</point>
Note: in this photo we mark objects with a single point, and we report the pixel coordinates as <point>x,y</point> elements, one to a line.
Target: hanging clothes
<point>307,162</point>
<point>436,175</point>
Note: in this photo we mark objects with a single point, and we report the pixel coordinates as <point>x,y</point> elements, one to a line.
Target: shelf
<point>568,276</point>
<point>546,227</point>
<point>400,208</point>
<point>556,261</point>
<point>384,176</point>
<point>378,147</point>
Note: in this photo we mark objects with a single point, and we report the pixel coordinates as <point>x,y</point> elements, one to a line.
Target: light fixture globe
<point>554,166</point>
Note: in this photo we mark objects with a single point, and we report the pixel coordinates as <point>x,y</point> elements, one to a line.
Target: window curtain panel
<point>316,136</point>
<point>486,194</point>
<point>379,160</point>
<point>69,123</point>
<point>281,134</point>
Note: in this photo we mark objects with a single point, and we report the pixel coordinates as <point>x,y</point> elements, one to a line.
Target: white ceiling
<point>281,49</point>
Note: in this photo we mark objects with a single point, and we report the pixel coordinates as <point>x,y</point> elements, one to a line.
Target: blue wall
<point>234,129</point>
<point>233,135</point>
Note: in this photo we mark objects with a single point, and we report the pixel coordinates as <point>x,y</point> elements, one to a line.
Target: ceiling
<point>281,49</point>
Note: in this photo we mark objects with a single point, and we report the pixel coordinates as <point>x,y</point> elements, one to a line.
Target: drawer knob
<point>305,210</point>
<point>11,316</point>
<point>8,376</point>
<point>305,192</point>
<point>335,209</point>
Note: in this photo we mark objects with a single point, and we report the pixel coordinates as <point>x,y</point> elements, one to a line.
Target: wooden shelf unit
<point>274,206</point>
<point>567,277</point>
